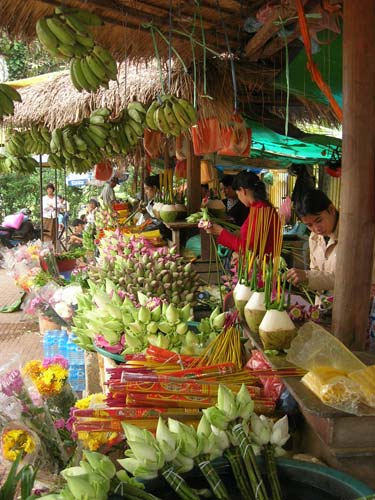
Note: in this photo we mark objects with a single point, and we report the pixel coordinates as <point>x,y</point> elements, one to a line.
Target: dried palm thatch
<point>56,102</point>
<point>126,30</point>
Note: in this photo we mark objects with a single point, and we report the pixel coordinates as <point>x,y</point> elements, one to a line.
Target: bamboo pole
<point>357,210</point>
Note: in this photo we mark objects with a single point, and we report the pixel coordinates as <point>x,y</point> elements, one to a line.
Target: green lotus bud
<point>191,338</point>
<point>133,343</point>
<point>135,328</point>
<point>163,341</point>
<point>261,432</point>
<point>216,417</point>
<point>156,313</point>
<point>144,314</point>
<point>152,327</point>
<point>186,313</point>
<point>244,403</point>
<point>142,298</point>
<point>214,313</point>
<point>189,297</point>
<point>218,321</point>
<point>166,440</point>
<point>165,327</point>
<point>86,467</point>
<point>181,328</point>
<point>100,463</point>
<point>280,432</point>
<point>226,402</point>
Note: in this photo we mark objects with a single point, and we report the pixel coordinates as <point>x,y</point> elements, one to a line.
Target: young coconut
<point>254,311</point>
<point>168,213</point>
<point>216,207</point>
<point>241,295</point>
<point>277,330</point>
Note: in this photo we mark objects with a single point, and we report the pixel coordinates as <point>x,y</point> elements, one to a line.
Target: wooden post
<point>357,210</point>
<point>193,181</point>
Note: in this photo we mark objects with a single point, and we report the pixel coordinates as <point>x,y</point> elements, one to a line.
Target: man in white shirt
<point>108,194</point>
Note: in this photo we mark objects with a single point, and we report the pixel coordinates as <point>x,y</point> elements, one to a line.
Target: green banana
<point>105,112</point>
<point>161,121</point>
<point>68,142</point>
<point>138,106</point>
<point>130,135</point>
<point>91,78</point>
<point>96,66</point>
<point>137,127</point>
<point>61,31</point>
<point>79,75</point>
<point>46,134</point>
<point>99,130</point>
<point>181,115</point>
<point>173,124</point>
<point>107,59</point>
<point>66,50</point>
<point>7,104</point>
<point>91,145</point>
<point>98,140</point>
<point>73,78</point>
<point>150,122</point>
<point>56,140</point>
<point>97,119</point>
<point>87,17</point>
<point>45,35</point>
<point>135,115</point>
<point>86,41</point>
<point>75,24</point>
<point>10,92</point>
<point>190,110</point>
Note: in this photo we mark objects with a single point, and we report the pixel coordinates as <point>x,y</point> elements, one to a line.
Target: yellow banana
<point>173,124</point>
<point>150,122</point>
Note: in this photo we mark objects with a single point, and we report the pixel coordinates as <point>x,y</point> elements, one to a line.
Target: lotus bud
<point>133,343</point>
<point>152,327</point>
<point>86,467</point>
<point>165,327</point>
<point>226,402</point>
<point>244,402</point>
<point>171,314</point>
<point>144,314</point>
<point>181,328</point>
<point>78,483</point>
<point>218,321</point>
<point>190,297</point>
<point>183,464</point>
<point>162,341</point>
<point>216,417</point>
<point>186,313</point>
<point>156,313</point>
<point>191,338</point>
<point>204,427</point>
<point>260,431</point>
<point>142,298</point>
<point>166,440</point>
<point>280,434</point>
<point>188,267</point>
<point>214,313</point>
<point>135,328</point>
<point>101,463</point>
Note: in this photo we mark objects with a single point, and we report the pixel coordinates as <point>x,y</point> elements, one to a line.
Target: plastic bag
<point>236,138</point>
<point>151,143</point>
<point>13,221</point>
<point>273,386</point>
<point>103,170</point>
<point>206,136</point>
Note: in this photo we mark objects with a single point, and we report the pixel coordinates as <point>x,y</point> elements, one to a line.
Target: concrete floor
<point>19,333</point>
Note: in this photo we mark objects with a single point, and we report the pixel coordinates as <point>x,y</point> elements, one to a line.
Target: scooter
<point>11,237</point>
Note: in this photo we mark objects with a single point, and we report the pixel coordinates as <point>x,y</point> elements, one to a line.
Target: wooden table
<point>176,228</point>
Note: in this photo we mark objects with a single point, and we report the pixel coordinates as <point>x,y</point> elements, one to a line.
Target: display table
<point>176,228</point>
<point>344,441</point>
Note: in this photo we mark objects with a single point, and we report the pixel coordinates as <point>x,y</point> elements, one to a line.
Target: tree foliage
<point>26,60</point>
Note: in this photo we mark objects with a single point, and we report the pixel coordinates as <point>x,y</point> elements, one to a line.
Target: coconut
<point>156,207</point>
<point>241,295</point>
<point>216,208</point>
<point>181,211</point>
<point>254,311</point>
<point>277,330</point>
<point>168,213</point>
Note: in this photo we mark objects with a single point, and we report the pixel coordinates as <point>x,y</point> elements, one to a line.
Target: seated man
<point>76,238</point>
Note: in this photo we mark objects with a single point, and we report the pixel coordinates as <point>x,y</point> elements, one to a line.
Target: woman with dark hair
<point>317,211</point>
<point>251,191</point>
<point>50,208</point>
<point>235,209</point>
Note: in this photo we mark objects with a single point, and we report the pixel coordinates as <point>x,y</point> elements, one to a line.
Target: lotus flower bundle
<point>135,265</point>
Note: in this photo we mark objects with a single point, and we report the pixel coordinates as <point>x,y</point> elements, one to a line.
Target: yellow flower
<point>94,440</point>
<point>32,368</point>
<point>17,441</point>
<point>89,401</point>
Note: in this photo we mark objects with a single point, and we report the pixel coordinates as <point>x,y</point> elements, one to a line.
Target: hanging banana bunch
<point>7,97</point>
<point>171,115</point>
<point>15,157</point>
<point>126,129</point>
<point>37,140</point>
<point>80,146</point>
<point>67,34</point>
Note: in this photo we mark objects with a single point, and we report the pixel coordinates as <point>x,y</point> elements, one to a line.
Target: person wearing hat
<point>108,193</point>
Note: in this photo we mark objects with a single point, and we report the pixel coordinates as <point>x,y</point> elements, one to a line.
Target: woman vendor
<point>251,191</point>
<point>151,188</point>
<point>317,211</point>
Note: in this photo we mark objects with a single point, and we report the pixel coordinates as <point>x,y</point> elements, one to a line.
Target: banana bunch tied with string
<point>37,140</point>
<point>15,158</point>
<point>171,115</point>
<point>66,34</point>
<point>80,146</point>
<point>8,95</point>
<point>126,129</point>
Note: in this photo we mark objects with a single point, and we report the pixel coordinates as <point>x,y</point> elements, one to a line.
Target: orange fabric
<point>311,65</point>
<point>151,142</point>
<point>206,136</point>
<point>236,138</point>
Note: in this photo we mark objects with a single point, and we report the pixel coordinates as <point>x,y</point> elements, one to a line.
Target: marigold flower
<point>17,441</point>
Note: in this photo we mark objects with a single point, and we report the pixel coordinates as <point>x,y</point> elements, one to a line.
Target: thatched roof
<point>56,102</point>
<point>228,29</point>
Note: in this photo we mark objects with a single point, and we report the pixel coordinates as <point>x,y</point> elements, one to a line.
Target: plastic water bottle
<point>62,344</point>
<point>48,341</point>
<point>76,358</point>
